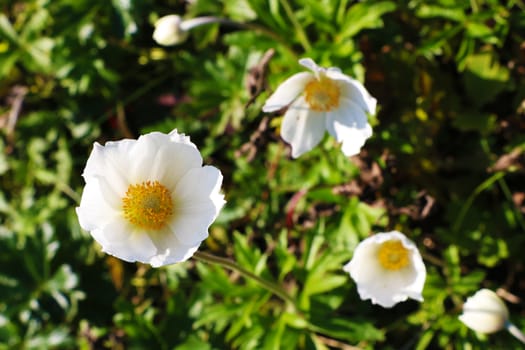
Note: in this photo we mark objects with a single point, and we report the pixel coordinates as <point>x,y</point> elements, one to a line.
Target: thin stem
<point>468,203</point>
<point>301,35</point>
<point>135,95</point>
<point>433,259</point>
<point>516,332</point>
<point>232,265</point>
<point>68,191</point>
<point>506,191</point>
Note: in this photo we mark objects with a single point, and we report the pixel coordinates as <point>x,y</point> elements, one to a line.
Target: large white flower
<point>485,312</point>
<point>387,269</point>
<point>324,99</point>
<point>149,200</point>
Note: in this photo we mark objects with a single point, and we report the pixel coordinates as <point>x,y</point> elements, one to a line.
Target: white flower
<point>387,269</point>
<point>149,200</point>
<point>323,100</point>
<point>168,31</point>
<point>485,312</point>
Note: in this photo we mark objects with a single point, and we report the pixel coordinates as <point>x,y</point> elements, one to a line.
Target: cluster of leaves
<point>445,166</point>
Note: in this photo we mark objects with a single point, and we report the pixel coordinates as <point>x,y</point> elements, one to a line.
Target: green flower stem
<point>517,212</point>
<point>301,35</point>
<point>468,203</point>
<point>232,265</point>
<point>516,332</point>
<point>506,191</point>
<point>134,96</point>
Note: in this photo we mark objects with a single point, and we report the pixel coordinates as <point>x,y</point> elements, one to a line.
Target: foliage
<point>445,166</point>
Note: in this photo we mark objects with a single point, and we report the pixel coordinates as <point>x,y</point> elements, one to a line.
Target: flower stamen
<point>148,205</point>
<point>393,255</point>
<point>322,95</point>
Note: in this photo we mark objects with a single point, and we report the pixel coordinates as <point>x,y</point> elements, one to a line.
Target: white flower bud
<point>485,312</point>
<point>168,31</point>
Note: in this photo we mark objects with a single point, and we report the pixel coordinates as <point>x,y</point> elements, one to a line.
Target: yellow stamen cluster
<point>393,255</point>
<point>148,205</point>
<point>322,94</point>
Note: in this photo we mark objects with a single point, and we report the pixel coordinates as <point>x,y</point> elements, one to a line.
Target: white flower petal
<point>109,194</point>
<point>110,161</point>
<point>170,250</point>
<point>173,160</point>
<point>94,209</point>
<point>354,140</point>
<point>287,92</point>
<point>348,116</point>
<point>311,65</point>
<point>383,286</point>
<point>355,91</point>
<point>125,242</point>
<point>197,204</point>
<point>158,157</point>
<point>143,156</point>
<point>334,70</point>
<point>180,138</point>
<point>302,128</point>
<point>349,125</point>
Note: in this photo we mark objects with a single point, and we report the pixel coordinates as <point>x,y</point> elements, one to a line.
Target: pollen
<point>393,255</point>
<point>322,94</point>
<point>148,205</point>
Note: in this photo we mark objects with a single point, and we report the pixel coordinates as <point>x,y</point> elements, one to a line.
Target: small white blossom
<point>149,200</point>
<point>485,312</point>
<point>324,99</point>
<point>169,31</point>
<point>387,269</point>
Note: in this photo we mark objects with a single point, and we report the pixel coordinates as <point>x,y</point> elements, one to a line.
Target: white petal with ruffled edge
<point>170,249</point>
<point>349,125</point>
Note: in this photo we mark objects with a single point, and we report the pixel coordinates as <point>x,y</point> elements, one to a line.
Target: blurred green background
<point>445,166</point>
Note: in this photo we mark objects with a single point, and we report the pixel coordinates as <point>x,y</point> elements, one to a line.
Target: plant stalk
<point>232,265</point>
<point>516,332</point>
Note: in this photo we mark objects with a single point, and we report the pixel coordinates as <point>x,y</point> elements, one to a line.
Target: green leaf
<point>7,30</point>
<point>364,15</point>
<point>123,9</point>
<point>485,77</point>
<point>435,11</point>
<point>239,10</point>
<point>478,30</point>
<point>475,121</point>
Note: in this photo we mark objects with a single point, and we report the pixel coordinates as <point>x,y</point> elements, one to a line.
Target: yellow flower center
<point>148,205</point>
<point>393,255</point>
<point>322,94</point>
